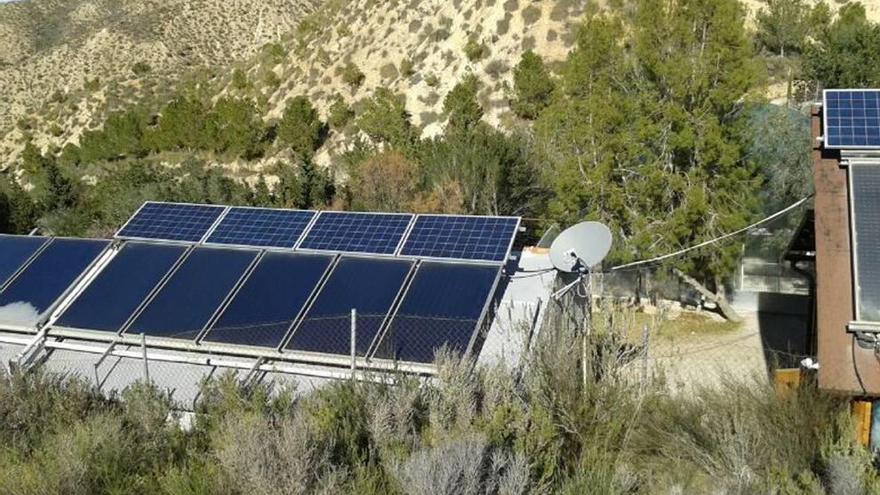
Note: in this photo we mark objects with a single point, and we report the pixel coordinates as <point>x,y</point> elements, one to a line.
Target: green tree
<point>532,86</point>
<point>301,127</point>
<point>237,128</point>
<point>183,124</point>
<point>384,118</point>
<point>461,106</point>
<point>846,54</point>
<point>643,134</point>
<point>783,25</point>
<point>340,113</point>
<point>352,76</point>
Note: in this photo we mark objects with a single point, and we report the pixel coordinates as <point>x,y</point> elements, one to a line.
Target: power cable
<point>715,240</point>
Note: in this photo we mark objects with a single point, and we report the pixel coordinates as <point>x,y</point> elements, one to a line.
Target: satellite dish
<point>580,247</point>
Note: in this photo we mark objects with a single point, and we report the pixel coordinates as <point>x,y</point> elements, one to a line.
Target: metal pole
<point>144,350</point>
<point>588,314</point>
<point>353,341</point>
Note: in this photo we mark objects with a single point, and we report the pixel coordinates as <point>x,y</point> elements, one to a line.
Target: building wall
<point>844,366</point>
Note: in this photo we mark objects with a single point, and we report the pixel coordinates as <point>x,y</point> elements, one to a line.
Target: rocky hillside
<point>65,64</point>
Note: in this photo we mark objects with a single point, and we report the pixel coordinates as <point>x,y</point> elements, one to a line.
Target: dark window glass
<point>121,287</point>
<point>14,251</point>
<point>183,307</point>
<point>368,285</point>
<point>267,304</point>
<point>46,279</point>
<point>441,307</point>
<point>866,198</point>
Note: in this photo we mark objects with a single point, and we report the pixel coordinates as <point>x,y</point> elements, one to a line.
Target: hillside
<point>64,64</point>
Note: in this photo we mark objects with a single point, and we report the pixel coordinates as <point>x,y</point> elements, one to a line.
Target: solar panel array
<point>473,238</point>
<point>268,280</point>
<point>851,119</point>
<point>866,235</point>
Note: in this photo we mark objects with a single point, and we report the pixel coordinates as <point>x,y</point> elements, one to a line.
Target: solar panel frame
<point>872,122</point>
<point>859,261</point>
<point>190,239</point>
<point>506,254</point>
<point>226,215</point>
<point>327,213</point>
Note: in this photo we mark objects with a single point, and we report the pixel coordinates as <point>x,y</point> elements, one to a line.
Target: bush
<point>300,126</point>
<point>384,118</point>
<point>475,50</point>
<point>340,113</point>
<point>532,86</point>
<point>352,76</point>
<point>407,68</point>
<point>461,106</point>
<point>141,68</point>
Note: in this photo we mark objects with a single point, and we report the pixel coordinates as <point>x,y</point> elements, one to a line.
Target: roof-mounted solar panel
<point>171,221</point>
<point>15,251</point>
<point>443,307</point>
<point>350,232</point>
<point>269,301</point>
<point>261,227</point>
<point>851,118</point>
<point>121,287</point>
<point>38,288</point>
<point>185,305</point>
<point>461,237</point>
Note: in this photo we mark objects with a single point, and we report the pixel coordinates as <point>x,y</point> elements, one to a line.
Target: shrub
<point>340,113</point>
<point>407,67</point>
<point>531,14</point>
<point>141,68</point>
<point>352,76</point>
<point>532,86</point>
<point>475,50</point>
<point>301,127</point>
<point>461,106</point>
<point>384,118</point>
<point>239,79</point>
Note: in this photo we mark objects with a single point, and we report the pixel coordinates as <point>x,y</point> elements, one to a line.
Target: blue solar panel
<point>461,237</point>
<point>378,233</point>
<point>267,304</point>
<point>442,307</point>
<point>46,279</point>
<point>261,227</point>
<point>121,287</point>
<point>368,285</point>
<point>171,221</point>
<point>196,290</point>
<point>852,119</point>
<point>15,250</point>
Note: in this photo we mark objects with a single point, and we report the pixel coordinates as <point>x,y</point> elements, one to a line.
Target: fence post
<point>144,351</point>
<point>645,336</point>
<point>353,341</point>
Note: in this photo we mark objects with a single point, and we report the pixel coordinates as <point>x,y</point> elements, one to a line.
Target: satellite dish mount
<point>578,249</point>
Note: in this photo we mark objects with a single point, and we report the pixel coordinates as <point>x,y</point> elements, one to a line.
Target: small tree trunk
<point>718,297</point>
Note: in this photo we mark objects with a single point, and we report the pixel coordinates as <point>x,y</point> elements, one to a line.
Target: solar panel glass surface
<point>852,119</point>
<point>263,310</point>
<point>109,300</point>
<point>866,198</point>
<point>15,250</point>
<point>192,295</point>
<point>378,233</point>
<point>368,285</point>
<point>461,237</point>
<point>171,221</point>
<point>442,307</point>
<point>27,298</point>
<point>261,227</point>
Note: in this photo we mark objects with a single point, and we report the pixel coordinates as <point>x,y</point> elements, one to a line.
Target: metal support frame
<point>26,356</point>
<point>101,359</point>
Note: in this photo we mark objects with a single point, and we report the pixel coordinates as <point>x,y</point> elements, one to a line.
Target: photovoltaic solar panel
<point>441,308</point>
<point>461,237</point>
<point>261,227</point>
<point>378,233</point>
<point>15,250</point>
<point>851,119</point>
<point>171,221</point>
